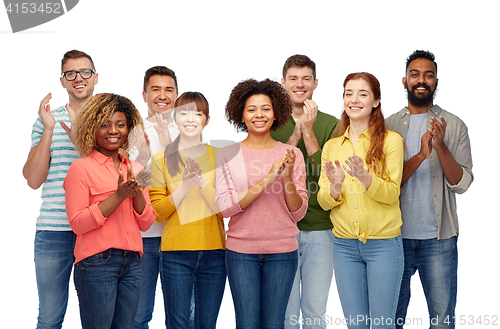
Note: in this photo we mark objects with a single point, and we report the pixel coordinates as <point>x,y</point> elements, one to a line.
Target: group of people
<point>127,199</point>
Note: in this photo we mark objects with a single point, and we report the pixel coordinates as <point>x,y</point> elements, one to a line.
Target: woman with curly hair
<point>362,191</point>
<point>260,184</point>
<point>193,240</point>
<point>107,208</point>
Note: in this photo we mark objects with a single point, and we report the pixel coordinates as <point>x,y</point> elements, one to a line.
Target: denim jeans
<point>437,263</point>
<point>260,285</point>
<point>151,262</point>
<point>368,277</point>
<point>53,264</point>
<point>108,285</point>
<point>312,280</point>
<point>181,271</point>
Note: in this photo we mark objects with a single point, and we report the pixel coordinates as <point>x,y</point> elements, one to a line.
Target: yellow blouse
<point>196,224</point>
<point>361,213</point>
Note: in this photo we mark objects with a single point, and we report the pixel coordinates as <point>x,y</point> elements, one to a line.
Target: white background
<point>212,45</point>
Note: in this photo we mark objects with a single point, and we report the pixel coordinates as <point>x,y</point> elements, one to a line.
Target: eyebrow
<point>168,87</point>
<point>365,90</point>
<point>296,76</point>
<point>427,71</point>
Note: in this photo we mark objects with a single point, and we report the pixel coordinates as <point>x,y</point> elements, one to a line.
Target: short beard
<point>420,101</point>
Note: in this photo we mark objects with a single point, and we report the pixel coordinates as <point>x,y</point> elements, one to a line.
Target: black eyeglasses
<point>71,75</point>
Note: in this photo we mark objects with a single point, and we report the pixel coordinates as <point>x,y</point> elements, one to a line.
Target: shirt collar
<point>101,158</point>
<point>345,136</point>
<point>435,110</point>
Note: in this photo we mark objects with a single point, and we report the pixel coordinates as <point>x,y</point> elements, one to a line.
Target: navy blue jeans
<point>151,262</point>
<point>108,285</point>
<point>53,264</point>
<point>260,285</point>
<point>437,263</point>
<point>181,271</point>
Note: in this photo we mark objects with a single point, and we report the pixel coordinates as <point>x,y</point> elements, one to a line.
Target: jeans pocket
<point>97,259</point>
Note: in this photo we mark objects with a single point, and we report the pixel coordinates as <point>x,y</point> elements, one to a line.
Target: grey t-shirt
<point>417,208</point>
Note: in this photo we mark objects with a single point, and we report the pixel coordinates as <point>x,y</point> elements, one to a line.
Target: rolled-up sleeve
<point>83,217</point>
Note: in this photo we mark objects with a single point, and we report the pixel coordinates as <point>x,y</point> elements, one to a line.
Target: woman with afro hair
<point>260,185</point>
<point>107,207</point>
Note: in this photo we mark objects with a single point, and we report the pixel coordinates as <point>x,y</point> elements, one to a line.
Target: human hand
<point>48,120</point>
<point>143,150</point>
<point>161,127</point>
<point>190,180</point>
<point>276,170</point>
<point>355,167</point>
<point>128,188</point>
<point>194,167</point>
<point>335,175</point>
<point>143,178</point>
<point>309,116</point>
<point>72,118</point>
<point>288,163</point>
<point>438,132</point>
<point>426,144</point>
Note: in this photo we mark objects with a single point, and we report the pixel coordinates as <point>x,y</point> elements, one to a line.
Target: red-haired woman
<point>360,184</point>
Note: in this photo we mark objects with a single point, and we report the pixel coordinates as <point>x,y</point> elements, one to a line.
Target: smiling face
<point>160,94</point>
<point>359,100</point>
<point>190,121</point>
<point>299,83</point>
<point>79,89</point>
<point>258,114</point>
<point>421,82</point>
<point>112,134</point>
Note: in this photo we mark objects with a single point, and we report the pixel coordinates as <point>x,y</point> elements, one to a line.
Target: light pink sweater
<point>266,226</point>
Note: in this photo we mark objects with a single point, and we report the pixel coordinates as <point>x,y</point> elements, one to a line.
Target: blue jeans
<point>53,264</point>
<point>368,277</point>
<point>312,280</point>
<point>181,271</point>
<point>151,262</point>
<point>260,285</point>
<point>436,262</point>
<point>108,285</point>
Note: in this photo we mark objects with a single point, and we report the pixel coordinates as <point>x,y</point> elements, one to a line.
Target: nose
<point>112,129</point>
<point>259,113</point>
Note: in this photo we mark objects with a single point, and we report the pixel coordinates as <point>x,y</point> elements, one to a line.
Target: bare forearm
<point>139,203</point>
<point>410,166</point>
<point>452,171</point>
<point>36,168</point>
<point>110,204</point>
<point>311,143</point>
<point>292,197</point>
<point>245,198</point>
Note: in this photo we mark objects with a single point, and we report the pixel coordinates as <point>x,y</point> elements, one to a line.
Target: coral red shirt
<point>90,180</point>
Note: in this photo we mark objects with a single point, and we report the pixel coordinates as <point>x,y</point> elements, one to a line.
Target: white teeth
<point>161,104</point>
<point>79,87</point>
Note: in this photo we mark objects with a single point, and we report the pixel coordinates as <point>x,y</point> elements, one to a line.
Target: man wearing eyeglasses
<point>51,154</point>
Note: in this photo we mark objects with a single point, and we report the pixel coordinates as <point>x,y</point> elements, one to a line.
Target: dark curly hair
<point>235,106</point>
<point>96,112</point>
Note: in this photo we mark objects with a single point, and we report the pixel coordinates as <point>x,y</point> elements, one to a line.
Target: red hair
<point>376,126</point>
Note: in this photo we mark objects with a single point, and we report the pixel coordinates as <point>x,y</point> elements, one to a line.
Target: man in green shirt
<point>309,129</point>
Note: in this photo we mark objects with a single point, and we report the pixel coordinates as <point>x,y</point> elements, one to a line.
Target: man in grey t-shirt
<point>438,165</point>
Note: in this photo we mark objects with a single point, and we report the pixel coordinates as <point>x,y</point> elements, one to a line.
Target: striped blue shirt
<point>63,153</point>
